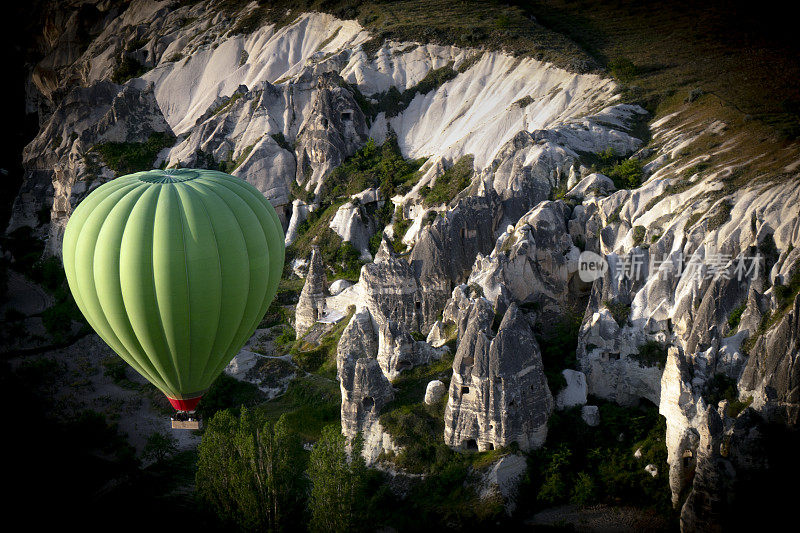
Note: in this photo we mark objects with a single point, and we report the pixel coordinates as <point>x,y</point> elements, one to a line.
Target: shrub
<point>558,350</point>
<point>450,183</point>
<point>619,311</point>
<point>584,491</point>
<point>721,387</point>
<point>125,158</point>
<point>786,293</point>
<point>583,465</point>
<point>159,446</point>
<point>127,68</point>
<point>373,166</point>
<point>638,235</point>
<point>736,315</point>
<point>393,102</point>
<point>721,215</point>
<point>228,392</point>
<point>651,353</point>
<point>282,142</point>
<point>623,69</point>
<point>627,174</point>
<point>251,472</point>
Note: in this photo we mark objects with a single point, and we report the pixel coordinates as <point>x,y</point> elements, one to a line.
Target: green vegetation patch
<point>785,294</point>
<point>310,403</point>
<point>410,385</point>
<point>584,465</point>
<point>127,68</point>
<point>228,103</point>
<point>228,392</point>
<point>619,311</point>
<point>721,387</point>
<point>736,315</point>
<point>382,167</point>
<point>638,235</point>
<point>626,173</point>
<point>651,353</point>
<point>393,102</point>
<point>558,350</point>
<point>447,186</point>
<point>721,215</point>
<point>125,158</point>
<point>322,357</point>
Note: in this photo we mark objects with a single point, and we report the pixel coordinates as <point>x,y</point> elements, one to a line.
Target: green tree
<point>251,473</point>
<point>338,482</point>
<point>159,446</point>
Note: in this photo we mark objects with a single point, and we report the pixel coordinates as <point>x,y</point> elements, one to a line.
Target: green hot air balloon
<point>174,269</point>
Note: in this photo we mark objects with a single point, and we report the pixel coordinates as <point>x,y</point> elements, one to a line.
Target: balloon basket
<point>185,420</point>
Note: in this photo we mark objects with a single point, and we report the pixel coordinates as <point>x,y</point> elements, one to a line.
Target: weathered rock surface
<point>338,286</point>
<point>353,223</point>
<point>592,185</point>
<point>365,390</point>
<point>535,262</point>
<point>277,107</point>
<point>591,415</point>
<point>575,391</point>
<point>434,392</point>
<point>311,305</point>
<point>498,393</point>
<point>503,478</point>
<point>399,351</point>
<point>334,129</point>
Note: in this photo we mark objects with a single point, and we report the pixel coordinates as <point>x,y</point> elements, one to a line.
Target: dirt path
<point>25,296</point>
<point>601,518</point>
<point>83,384</point>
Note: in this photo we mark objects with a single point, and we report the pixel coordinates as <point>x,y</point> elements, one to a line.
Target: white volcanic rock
<point>333,130</point>
<point>487,118</point>
<point>338,286</point>
<point>504,477</point>
<point>593,185</point>
<point>299,213</point>
<point>575,391</point>
<point>534,263</point>
<point>498,393</point>
<point>434,391</point>
<point>436,336</point>
<point>311,305</point>
<point>399,351</point>
<point>354,225</point>
<point>364,388</point>
<point>186,89</point>
<point>591,415</point>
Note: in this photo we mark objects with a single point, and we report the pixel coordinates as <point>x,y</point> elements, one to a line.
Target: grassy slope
<point>731,51</point>
<point>743,62</point>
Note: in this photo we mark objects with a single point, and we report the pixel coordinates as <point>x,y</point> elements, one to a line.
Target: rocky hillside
<point>452,193</point>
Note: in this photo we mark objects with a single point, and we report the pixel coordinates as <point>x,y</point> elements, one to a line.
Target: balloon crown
<point>170,175</point>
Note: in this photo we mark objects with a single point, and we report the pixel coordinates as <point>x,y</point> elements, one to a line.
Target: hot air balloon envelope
<point>174,269</point>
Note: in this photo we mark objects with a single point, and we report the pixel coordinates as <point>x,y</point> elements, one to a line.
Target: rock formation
<point>334,129</point>
<point>534,262</point>
<point>434,392</point>
<point>311,305</point>
<point>498,393</point>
